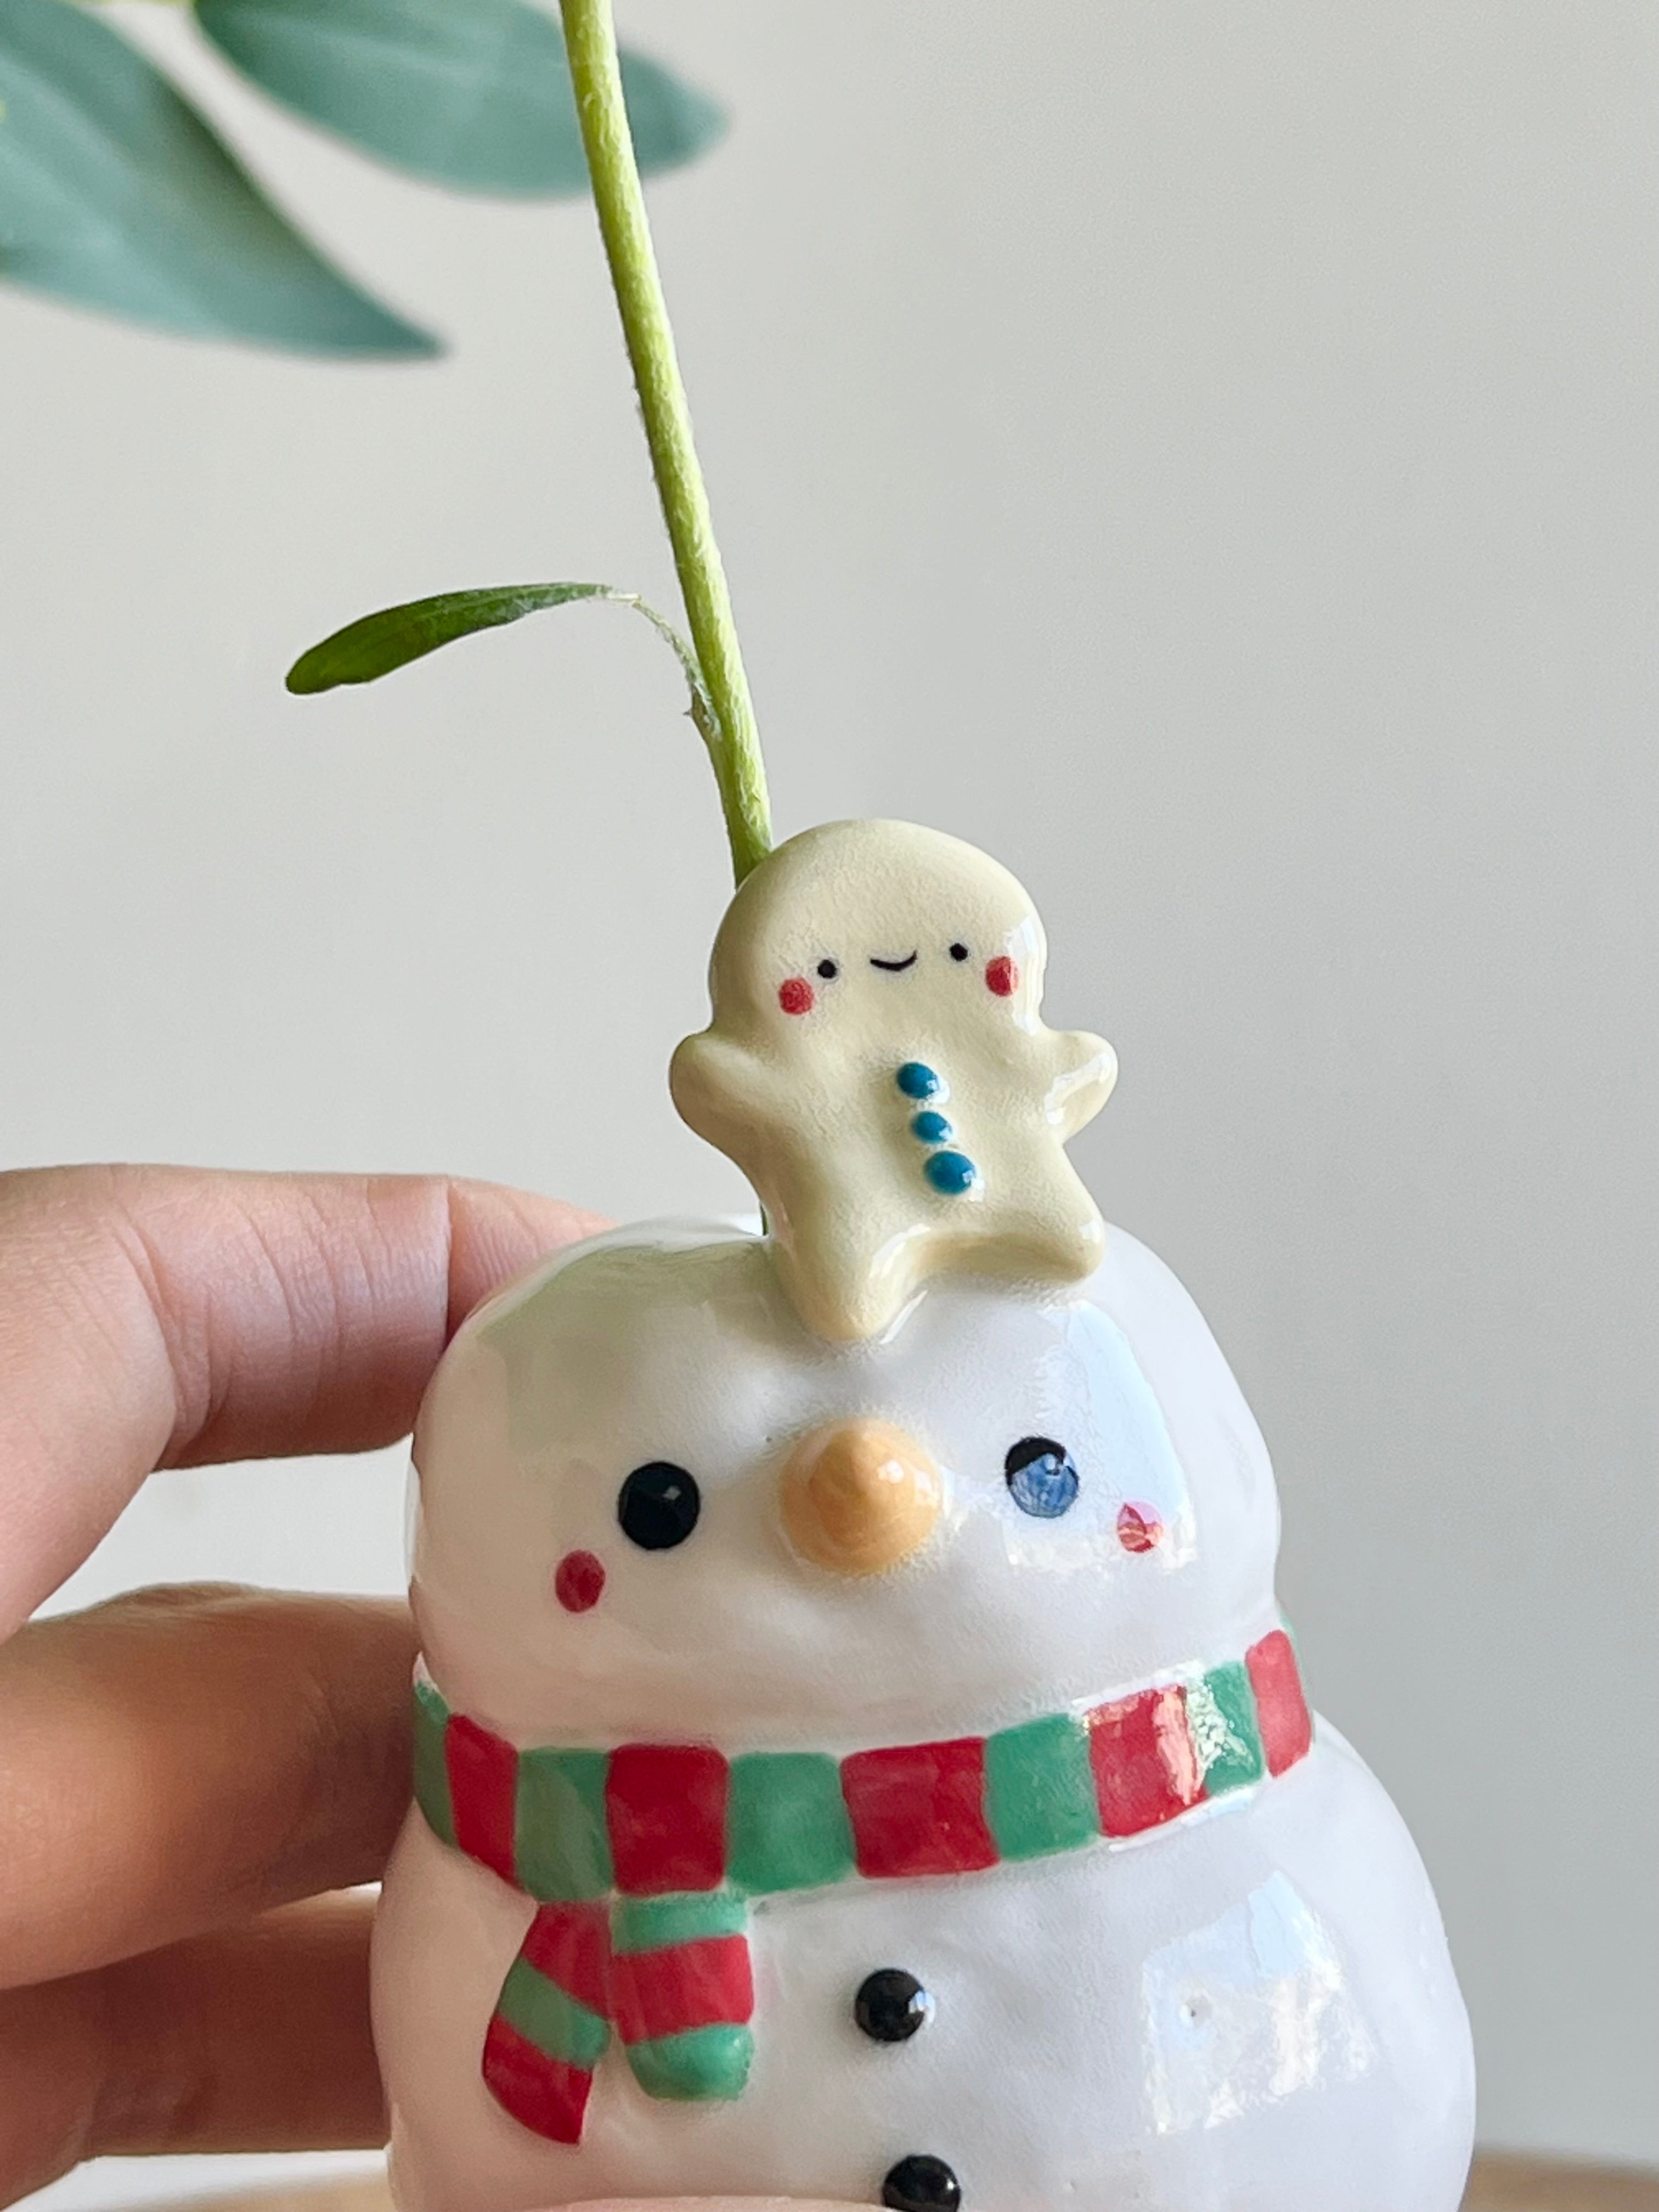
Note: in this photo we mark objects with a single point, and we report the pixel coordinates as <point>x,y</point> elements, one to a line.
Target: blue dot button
<point>952,1173</point>
<point>916,1081</point>
<point>932,1128</point>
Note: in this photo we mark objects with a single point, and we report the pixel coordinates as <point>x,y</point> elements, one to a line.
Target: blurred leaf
<point>378,643</point>
<point>474,92</point>
<point>116,193</point>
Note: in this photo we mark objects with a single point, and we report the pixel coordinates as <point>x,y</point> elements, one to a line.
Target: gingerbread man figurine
<point>877,1066</point>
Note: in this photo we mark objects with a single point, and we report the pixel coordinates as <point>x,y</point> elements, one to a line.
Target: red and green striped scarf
<point>640,1860</point>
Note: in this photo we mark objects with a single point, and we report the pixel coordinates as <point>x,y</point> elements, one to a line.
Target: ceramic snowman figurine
<point>858,1753</point>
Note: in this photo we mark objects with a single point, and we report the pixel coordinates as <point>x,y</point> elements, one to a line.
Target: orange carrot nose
<point>860,1496</point>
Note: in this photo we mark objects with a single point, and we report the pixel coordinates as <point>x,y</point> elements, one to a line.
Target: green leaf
<point>378,643</point>
<point>474,92</point>
<point>116,193</point>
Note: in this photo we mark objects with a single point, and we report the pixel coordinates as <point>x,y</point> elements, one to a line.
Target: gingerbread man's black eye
<point>658,1506</point>
<point>829,971</point>
<point>958,952</point>
<point>1041,1476</point>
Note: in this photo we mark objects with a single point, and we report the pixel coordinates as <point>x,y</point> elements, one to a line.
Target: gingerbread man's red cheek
<point>1001,975</point>
<point>579,1581</point>
<point>795,996</point>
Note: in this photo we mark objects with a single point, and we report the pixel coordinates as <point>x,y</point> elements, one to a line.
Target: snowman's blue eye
<point>1042,1477</point>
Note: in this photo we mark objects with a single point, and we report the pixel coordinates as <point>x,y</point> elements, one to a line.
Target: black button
<point>920,2183</point>
<point>890,2005</point>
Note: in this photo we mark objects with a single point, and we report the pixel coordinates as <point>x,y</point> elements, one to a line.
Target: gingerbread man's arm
<point>1082,1071</point>
<point>725,1092</point>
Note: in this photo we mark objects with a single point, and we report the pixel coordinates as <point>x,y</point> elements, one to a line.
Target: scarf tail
<point>672,1976</point>
<point>683,1992</point>
<point>551,2023</point>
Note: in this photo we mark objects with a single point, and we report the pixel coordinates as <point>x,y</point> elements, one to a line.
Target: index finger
<point>167,1317</point>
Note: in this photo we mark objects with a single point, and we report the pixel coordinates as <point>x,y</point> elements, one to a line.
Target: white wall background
<point>1206,454</point>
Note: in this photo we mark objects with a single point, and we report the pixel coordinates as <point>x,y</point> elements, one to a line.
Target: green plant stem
<point>733,743</point>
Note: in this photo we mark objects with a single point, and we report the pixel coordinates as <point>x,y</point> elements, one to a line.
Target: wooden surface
<point>1499,2183</point>
<point>1504,2184</point>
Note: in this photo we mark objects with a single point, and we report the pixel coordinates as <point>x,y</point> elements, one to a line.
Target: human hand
<point>190,1778</point>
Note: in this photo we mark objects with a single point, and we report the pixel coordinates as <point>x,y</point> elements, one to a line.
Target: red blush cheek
<point>795,996</point>
<point>1138,1528</point>
<point>1001,975</point>
<point>578,1580</point>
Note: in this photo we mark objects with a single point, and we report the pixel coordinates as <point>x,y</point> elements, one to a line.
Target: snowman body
<point>1210,1978</point>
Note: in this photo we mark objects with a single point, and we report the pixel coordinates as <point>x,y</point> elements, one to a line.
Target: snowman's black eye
<point>1042,1477</point>
<point>829,971</point>
<point>958,952</point>
<point>658,1506</point>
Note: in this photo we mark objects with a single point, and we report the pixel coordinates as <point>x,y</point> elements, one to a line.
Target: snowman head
<point>655,1505</point>
<point>862,935</point>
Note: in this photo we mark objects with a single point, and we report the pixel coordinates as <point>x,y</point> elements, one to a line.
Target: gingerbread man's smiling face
<point>797,996</point>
